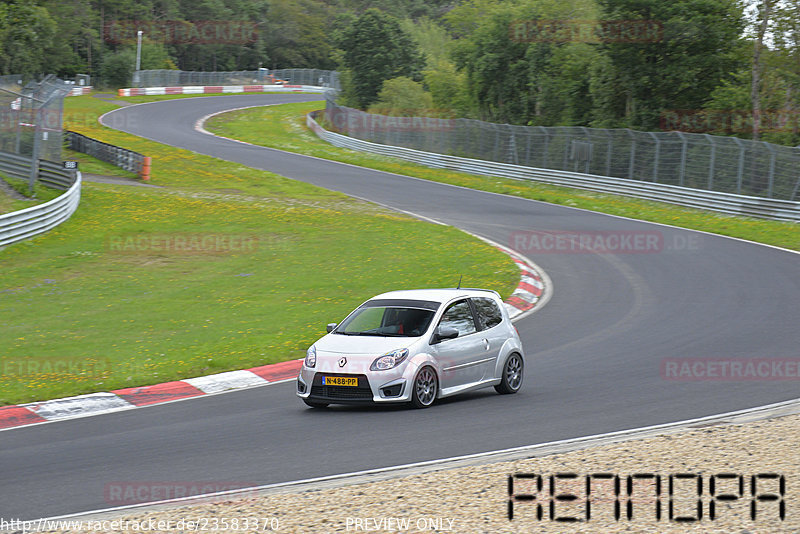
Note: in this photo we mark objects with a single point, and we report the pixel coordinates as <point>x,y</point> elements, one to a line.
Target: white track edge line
<point>502,455</point>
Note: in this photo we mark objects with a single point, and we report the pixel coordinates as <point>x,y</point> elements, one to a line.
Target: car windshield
<point>387,321</point>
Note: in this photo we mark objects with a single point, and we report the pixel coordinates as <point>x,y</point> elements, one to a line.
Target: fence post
<point>608,152</point>
<point>591,151</point>
<point>37,132</point>
<point>546,146</point>
<point>740,172</point>
<point>528,147</point>
<point>712,160</point>
<point>771,177</point>
<point>512,146</point>
<point>633,154</point>
<point>796,187</point>
<point>496,143</point>
<point>682,172</point>
<point>656,156</point>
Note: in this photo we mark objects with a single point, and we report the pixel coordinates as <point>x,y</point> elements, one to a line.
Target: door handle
<point>486,343</point>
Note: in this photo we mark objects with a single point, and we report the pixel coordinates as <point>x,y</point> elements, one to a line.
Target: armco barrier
<point>207,89</point>
<point>121,157</point>
<point>35,220</point>
<point>694,198</point>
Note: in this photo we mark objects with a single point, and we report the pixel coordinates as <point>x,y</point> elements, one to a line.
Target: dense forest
<point>713,66</point>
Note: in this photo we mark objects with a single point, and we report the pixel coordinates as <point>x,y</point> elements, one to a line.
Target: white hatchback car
<point>414,346</point>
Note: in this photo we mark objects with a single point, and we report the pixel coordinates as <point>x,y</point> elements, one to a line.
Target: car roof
<point>436,295</point>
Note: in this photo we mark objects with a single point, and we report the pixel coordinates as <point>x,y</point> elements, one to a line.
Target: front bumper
<point>383,387</point>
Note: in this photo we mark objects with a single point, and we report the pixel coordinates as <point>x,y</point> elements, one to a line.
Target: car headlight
<point>389,360</point>
<point>311,356</point>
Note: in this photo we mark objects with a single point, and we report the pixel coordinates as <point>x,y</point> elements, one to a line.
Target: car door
<point>490,320</point>
<point>462,360</point>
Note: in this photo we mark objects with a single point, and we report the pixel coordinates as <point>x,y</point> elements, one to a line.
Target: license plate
<point>340,381</point>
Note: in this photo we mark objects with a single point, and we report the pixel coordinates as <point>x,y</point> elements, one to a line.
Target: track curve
<point>594,350</point>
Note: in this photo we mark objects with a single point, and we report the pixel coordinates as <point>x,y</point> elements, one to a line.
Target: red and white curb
<point>128,398</point>
<point>78,91</point>
<point>530,292</point>
<point>209,89</point>
<point>530,289</point>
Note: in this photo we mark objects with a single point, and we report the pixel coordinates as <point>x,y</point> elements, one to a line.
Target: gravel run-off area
<point>476,499</point>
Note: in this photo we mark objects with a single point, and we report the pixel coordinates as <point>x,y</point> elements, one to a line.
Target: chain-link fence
<point>178,78</point>
<point>702,161</point>
<point>31,118</point>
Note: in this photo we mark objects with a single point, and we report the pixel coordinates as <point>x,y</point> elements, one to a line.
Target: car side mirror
<point>330,327</point>
<point>445,332</point>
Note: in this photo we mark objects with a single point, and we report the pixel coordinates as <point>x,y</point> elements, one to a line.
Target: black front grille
<point>361,392</point>
<point>341,392</point>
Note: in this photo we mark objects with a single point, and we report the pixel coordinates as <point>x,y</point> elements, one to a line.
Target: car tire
<point>425,388</point>
<point>511,379</point>
<point>316,404</point>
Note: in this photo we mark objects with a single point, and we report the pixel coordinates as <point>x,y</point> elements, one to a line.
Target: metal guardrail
<point>121,157</point>
<point>684,196</point>
<point>176,78</point>
<point>698,161</point>
<point>23,224</point>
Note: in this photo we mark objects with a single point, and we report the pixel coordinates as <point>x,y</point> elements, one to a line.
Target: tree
<point>765,11</point>
<point>26,34</point>
<point>680,68</point>
<point>402,97</point>
<point>295,34</point>
<point>376,49</point>
<point>117,68</point>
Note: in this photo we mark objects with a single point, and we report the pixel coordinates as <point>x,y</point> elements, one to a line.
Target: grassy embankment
<point>98,303</point>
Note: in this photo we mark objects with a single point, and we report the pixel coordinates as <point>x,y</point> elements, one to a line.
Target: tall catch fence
<point>177,78</point>
<point>700,161</point>
<point>31,117</point>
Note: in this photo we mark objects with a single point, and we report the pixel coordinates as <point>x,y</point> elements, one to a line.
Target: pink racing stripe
<point>158,393</point>
<point>11,416</point>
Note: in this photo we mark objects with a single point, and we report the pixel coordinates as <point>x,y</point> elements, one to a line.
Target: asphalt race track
<point>593,352</point>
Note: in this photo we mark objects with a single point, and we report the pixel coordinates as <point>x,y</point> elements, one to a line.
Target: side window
<point>488,311</point>
<point>459,316</point>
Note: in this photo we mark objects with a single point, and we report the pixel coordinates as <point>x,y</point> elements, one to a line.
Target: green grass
<point>91,165</point>
<point>7,204</point>
<point>283,127</point>
<point>41,194</point>
<point>83,309</point>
